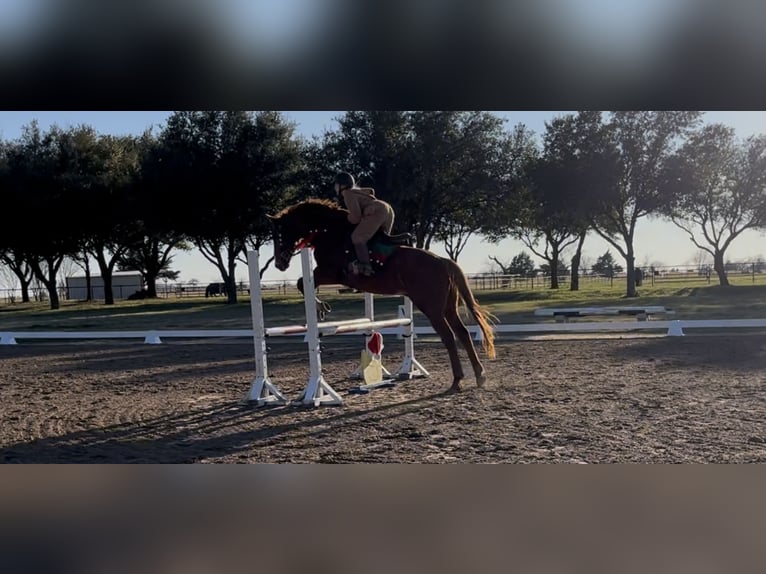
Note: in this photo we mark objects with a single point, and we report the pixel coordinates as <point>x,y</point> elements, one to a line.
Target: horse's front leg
<point>321,277</point>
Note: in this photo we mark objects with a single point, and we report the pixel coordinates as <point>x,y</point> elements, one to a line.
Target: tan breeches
<point>379,215</point>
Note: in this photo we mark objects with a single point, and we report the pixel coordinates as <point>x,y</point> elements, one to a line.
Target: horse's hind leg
<point>444,331</point>
<point>464,336</point>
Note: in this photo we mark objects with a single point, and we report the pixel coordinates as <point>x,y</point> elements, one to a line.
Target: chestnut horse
<point>434,284</point>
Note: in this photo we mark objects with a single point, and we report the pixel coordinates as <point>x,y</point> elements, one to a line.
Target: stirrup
<point>363,269</point>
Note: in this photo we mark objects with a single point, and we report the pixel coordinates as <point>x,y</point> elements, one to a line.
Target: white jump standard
<point>262,390</point>
<point>318,391</point>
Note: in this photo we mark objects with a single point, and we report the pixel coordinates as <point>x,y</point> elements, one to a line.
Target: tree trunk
<point>151,285</point>
<point>151,272</point>
<point>53,293</point>
<point>720,268</point>
<point>48,279</point>
<point>574,284</point>
<point>503,269</point>
<point>88,281</point>
<point>152,268</point>
<point>23,272</point>
<point>82,259</point>
<point>106,269</point>
<point>231,291</point>
<point>630,262</point>
<point>108,294</point>
<point>231,280</point>
<point>25,292</point>
<point>24,280</point>
<point>554,263</point>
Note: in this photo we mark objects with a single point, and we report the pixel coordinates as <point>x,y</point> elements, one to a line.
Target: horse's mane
<point>312,206</point>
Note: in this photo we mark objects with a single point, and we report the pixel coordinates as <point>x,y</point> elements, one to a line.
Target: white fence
<point>671,328</point>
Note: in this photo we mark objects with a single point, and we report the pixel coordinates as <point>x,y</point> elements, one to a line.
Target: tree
<point>98,173</point>
<point>542,221</point>
<point>717,189</point>
<point>438,169</point>
<point>562,269</point>
<point>9,283</point>
<point>10,255</point>
<point>606,265</point>
<point>156,237</point>
<point>16,264</point>
<point>492,188</point>
<point>67,269</point>
<point>82,260</point>
<point>79,161</point>
<point>205,205</point>
<point>521,265</point>
<point>42,232</point>
<point>578,164</point>
<point>641,142</point>
<point>539,209</point>
<point>223,172</point>
<point>456,159</point>
<point>371,145</point>
<point>276,173</point>
<point>152,259</point>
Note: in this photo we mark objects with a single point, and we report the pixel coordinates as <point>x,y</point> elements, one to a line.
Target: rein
<point>304,242</point>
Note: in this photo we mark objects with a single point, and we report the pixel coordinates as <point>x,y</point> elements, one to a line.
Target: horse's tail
<point>483,317</point>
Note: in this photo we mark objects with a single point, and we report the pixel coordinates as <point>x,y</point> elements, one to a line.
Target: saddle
<point>381,246</point>
<point>398,239</point>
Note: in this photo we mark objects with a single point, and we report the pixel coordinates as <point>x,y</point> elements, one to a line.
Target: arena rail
<point>672,328</point>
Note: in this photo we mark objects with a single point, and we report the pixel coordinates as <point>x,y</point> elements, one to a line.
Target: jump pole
<point>325,327</point>
<point>262,390</point>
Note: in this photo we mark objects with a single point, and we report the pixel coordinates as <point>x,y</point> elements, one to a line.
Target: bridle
<point>298,244</point>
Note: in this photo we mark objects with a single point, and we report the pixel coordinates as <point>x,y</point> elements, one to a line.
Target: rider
<point>368,213</point>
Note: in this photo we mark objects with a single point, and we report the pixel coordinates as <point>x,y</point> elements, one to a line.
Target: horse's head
<point>296,226</point>
<point>285,240</point>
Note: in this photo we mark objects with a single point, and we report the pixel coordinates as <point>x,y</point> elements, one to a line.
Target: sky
<point>657,242</point>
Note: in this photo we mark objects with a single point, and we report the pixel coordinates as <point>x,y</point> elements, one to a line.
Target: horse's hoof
<point>455,388</point>
<point>481,380</point>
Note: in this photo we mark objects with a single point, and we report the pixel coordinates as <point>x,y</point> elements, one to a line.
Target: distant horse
<point>215,289</point>
<point>434,284</point>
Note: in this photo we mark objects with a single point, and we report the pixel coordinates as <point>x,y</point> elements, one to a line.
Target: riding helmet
<point>345,179</point>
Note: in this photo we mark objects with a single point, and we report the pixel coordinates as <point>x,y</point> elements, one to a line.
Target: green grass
<point>689,300</point>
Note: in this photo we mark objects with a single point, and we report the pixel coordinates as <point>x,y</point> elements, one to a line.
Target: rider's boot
<point>362,264</point>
